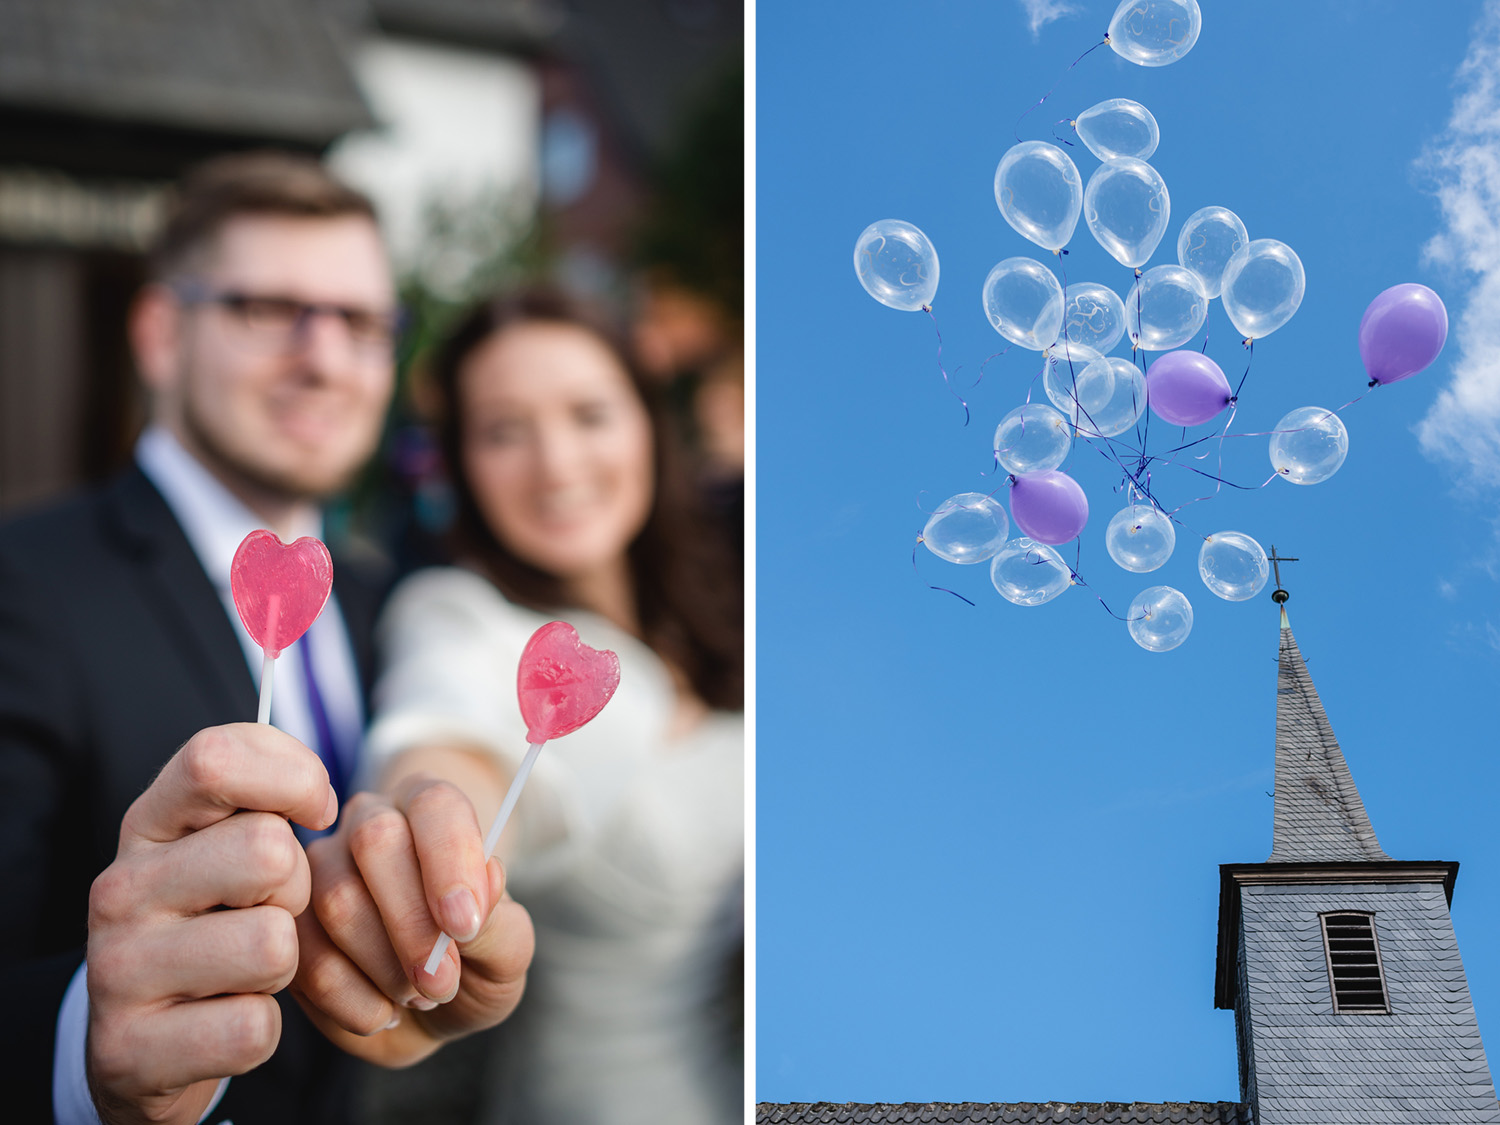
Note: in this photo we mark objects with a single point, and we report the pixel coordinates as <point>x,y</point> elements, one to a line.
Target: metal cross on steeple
<point>1278,595</point>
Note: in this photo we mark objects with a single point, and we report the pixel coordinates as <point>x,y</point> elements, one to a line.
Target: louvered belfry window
<point>1354,969</point>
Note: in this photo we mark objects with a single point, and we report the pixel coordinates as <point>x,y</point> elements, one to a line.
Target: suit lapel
<point>360,588</point>
<point>180,594</point>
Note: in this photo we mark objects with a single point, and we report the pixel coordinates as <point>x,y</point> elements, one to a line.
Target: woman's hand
<point>399,869</point>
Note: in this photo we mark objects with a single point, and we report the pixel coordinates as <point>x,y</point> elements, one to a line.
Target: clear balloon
<point>1093,321</point>
<point>1127,208</point>
<point>1024,302</point>
<point>1402,332</point>
<point>1309,445</point>
<point>967,528</point>
<point>1209,238</point>
<point>897,265</point>
<point>1118,127</point>
<point>1160,618</point>
<point>1233,565</point>
<point>1165,308</point>
<point>1040,193</point>
<point>1140,538</point>
<point>1102,398</point>
<point>1032,438</point>
<point>1077,389</point>
<point>1154,32</point>
<point>1029,573</point>
<point>1126,402</point>
<point>1263,285</point>
<point>1187,388</point>
<point>1048,507</point>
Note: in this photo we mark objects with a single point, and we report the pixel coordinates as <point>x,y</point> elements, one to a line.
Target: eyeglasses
<point>282,322</point>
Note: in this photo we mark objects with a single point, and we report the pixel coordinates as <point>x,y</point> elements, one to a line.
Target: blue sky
<point>989,837</point>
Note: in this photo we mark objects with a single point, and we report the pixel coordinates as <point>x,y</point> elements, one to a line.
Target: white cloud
<point>1463,426</point>
<point>1039,13</point>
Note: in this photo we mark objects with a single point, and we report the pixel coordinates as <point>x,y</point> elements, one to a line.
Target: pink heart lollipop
<point>279,589</point>
<point>562,683</point>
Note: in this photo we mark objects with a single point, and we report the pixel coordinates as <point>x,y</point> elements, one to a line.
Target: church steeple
<point>1319,815</point>
<point>1340,963</point>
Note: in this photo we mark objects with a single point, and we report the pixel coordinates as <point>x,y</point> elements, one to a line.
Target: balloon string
<point>1249,347</point>
<point>1081,584</point>
<point>999,354</point>
<point>1063,121</point>
<point>1351,402</point>
<point>1220,480</point>
<point>1060,77</point>
<point>1207,314</point>
<point>918,573</point>
<point>946,381</point>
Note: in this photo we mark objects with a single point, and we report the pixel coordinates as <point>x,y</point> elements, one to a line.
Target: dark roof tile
<point>1021,1113</point>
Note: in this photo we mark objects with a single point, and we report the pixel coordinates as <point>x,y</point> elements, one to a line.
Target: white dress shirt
<point>215,521</point>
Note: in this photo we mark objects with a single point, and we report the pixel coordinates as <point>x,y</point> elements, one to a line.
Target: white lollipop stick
<point>268,662</point>
<point>492,837</point>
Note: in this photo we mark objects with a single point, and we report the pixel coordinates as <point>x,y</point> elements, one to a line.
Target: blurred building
<point>466,120</point>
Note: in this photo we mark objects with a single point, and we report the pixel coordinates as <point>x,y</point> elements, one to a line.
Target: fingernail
<point>395,1022</point>
<point>421,1003</point>
<point>460,913</point>
<point>330,808</point>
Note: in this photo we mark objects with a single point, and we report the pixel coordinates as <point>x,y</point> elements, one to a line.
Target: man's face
<point>278,401</point>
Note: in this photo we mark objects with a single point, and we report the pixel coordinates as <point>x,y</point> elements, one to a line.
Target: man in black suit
<point>132,819</point>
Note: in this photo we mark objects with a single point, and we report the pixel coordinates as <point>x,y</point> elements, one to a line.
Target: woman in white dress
<point>627,845</point>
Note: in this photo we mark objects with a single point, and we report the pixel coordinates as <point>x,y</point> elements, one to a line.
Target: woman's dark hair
<point>689,593</point>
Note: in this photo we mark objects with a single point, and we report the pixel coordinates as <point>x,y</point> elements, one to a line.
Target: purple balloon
<point>1186,388</point>
<point>1402,332</point>
<point>1049,507</point>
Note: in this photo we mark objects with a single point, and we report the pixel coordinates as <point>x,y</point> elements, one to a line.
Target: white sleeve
<point>71,1104</point>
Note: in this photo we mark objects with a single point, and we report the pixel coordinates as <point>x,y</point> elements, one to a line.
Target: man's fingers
<point>180,1044</point>
<point>224,951</point>
<point>248,859</point>
<point>223,769</point>
<point>450,852</point>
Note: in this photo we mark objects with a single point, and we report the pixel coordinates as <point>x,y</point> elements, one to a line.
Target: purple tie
<point>327,746</point>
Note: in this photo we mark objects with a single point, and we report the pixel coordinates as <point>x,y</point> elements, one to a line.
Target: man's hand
<point>193,926</point>
<point>398,869</point>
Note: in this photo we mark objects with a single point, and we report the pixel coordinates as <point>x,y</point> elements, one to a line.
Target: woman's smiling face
<point>557,447</point>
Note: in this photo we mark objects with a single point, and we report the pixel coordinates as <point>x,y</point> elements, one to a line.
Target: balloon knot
<point>926,308</point>
<point>1106,37</point>
<point>1234,400</point>
<point>1011,480</point>
<point>1248,341</point>
<point>1372,383</point>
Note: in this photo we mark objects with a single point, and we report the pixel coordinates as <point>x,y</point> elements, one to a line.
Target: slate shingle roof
<point>1023,1113</point>
<point>1319,816</point>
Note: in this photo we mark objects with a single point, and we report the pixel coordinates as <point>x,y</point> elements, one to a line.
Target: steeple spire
<point>1319,816</point>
